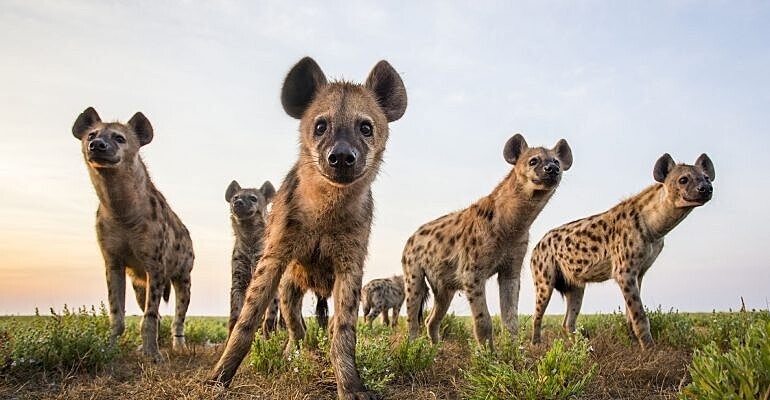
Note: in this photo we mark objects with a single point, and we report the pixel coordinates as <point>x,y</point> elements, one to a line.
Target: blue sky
<point>622,82</point>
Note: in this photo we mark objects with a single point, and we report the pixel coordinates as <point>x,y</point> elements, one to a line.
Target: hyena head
<point>111,144</point>
<point>343,126</point>
<point>246,203</point>
<point>686,185</point>
<point>537,167</point>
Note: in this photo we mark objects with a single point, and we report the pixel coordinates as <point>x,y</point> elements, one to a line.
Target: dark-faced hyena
<point>461,250</point>
<point>248,214</point>
<point>136,229</point>
<point>379,296</point>
<point>621,244</point>
<point>318,229</point>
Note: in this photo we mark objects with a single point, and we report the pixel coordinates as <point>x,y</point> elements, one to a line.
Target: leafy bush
<point>740,372</point>
<point>316,338</point>
<point>561,373</point>
<point>454,328</point>
<point>67,342</point>
<point>672,328</point>
<point>374,361</point>
<point>205,330</point>
<point>413,356</point>
<point>267,356</point>
<point>722,328</point>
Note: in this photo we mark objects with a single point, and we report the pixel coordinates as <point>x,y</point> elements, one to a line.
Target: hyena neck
<point>515,206</point>
<point>121,191</point>
<point>249,232</point>
<point>318,197</point>
<point>658,212</point>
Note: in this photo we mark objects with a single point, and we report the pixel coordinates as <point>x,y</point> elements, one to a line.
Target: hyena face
<point>686,185</point>
<point>247,203</point>
<point>539,167</point>
<point>106,145</point>
<point>343,128</point>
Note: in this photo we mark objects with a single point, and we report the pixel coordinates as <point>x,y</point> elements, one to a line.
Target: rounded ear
<point>141,127</point>
<point>268,191</point>
<point>389,89</point>
<point>663,166</point>
<point>300,86</point>
<point>85,120</point>
<point>232,190</point>
<point>704,163</point>
<point>564,153</point>
<point>514,147</point>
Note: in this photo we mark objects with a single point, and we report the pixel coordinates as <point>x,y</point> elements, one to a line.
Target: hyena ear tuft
<point>564,153</point>
<point>704,163</point>
<point>514,148</point>
<point>300,86</point>
<point>389,89</point>
<point>85,120</point>
<point>232,190</point>
<point>268,191</point>
<point>141,127</point>
<point>663,166</point>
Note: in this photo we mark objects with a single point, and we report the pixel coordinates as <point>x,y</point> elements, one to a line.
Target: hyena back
<point>461,250</point>
<point>380,295</point>
<point>137,231</point>
<point>620,244</point>
<point>318,230</point>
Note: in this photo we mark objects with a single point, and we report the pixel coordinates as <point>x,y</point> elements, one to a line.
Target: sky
<point>622,82</point>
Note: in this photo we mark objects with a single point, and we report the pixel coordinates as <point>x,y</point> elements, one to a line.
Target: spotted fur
<point>379,296</point>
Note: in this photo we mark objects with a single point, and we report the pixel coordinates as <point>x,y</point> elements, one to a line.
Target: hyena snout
<point>342,156</point>
<point>102,151</point>
<point>551,168</point>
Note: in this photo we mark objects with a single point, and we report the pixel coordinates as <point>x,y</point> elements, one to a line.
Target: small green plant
<point>672,328</point>
<point>564,371</point>
<point>68,341</point>
<point>316,338</point>
<point>374,361</point>
<point>205,330</point>
<point>413,356</point>
<point>267,355</point>
<point>454,328</point>
<point>740,372</point>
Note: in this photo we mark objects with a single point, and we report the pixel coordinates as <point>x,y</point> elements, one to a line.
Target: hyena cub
<point>461,250</point>
<point>248,214</point>
<point>136,229</point>
<point>380,295</point>
<point>318,230</point>
<point>621,244</point>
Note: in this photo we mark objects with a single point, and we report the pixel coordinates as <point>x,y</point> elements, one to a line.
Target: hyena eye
<point>683,180</point>
<point>91,135</point>
<point>320,127</point>
<point>120,139</point>
<point>366,128</point>
<point>533,161</point>
<point>253,198</point>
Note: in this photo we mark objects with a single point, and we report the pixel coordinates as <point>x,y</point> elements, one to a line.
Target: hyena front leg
<point>441,301</point>
<point>635,309</point>
<point>291,296</point>
<point>241,276</point>
<point>482,321</point>
<point>182,295</point>
<point>346,293</point>
<point>116,295</point>
<point>396,312</point>
<point>509,281</point>
<point>151,318</point>
<point>259,294</point>
<point>574,301</point>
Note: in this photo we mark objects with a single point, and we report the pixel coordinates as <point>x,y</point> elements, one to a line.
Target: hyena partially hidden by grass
<point>137,231</point>
<point>318,230</point>
<point>379,296</point>
<point>461,250</point>
<point>621,244</point>
<point>248,214</point>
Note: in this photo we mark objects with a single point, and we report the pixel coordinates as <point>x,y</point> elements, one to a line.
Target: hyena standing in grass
<point>461,250</point>
<point>137,231</point>
<point>379,296</point>
<point>619,244</point>
<point>248,214</point>
<point>318,230</point>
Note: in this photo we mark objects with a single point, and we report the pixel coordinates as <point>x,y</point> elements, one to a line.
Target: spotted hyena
<point>621,244</point>
<point>137,231</point>
<point>318,230</point>
<point>380,295</point>
<point>461,250</point>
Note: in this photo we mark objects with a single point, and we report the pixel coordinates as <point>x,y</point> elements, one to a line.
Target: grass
<point>702,355</point>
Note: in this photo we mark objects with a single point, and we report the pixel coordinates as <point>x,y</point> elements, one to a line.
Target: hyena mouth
<point>696,202</point>
<point>102,161</point>
<point>549,181</point>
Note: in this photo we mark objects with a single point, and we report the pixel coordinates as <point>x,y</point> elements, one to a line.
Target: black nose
<point>98,145</point>
<point>705,188</point>
<point>551,168</point>
<point>238,203</point>
<point>342,155</point>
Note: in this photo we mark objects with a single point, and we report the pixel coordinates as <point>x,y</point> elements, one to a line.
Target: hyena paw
<point>179,344</point>
<point>153,355</point>
<point>365,395</point>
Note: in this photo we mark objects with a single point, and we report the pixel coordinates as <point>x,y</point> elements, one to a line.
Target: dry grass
<point>625,372</point>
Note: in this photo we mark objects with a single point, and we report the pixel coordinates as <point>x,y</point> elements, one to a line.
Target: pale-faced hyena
<point>379,296</point>
<point>461,250</point>
<point>621,244</point>
<point>136,229</point>
<point>318,229</point>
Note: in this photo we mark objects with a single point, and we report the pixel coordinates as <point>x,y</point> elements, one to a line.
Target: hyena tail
<point>366,306</point>
<point>420,288</point>
<point>423,302</point>
<point>322,311</point>
<point>167,291</point>
<point>560,284</point>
